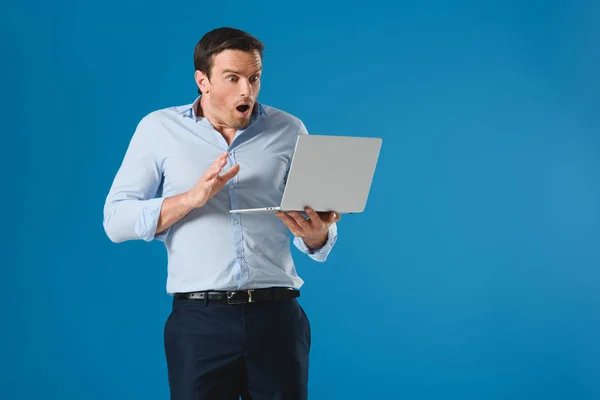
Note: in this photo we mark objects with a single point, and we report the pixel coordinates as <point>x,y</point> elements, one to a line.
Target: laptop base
<point>265,210</point>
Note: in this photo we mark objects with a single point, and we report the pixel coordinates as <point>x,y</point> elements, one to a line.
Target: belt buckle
<point>232,296</point>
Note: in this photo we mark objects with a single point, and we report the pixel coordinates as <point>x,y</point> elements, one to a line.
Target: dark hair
<point>218,40</point>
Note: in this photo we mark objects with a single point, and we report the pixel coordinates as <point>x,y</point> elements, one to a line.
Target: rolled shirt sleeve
<point>321,254</point>
<point>132,208</point>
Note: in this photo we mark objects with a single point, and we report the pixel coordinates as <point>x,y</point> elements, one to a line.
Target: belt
<point>241,296</point>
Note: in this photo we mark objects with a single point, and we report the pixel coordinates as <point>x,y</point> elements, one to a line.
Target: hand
<point>211,182</point>
<point>314,230</point>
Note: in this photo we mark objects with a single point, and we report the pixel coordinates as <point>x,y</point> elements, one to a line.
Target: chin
<point>241,123</point>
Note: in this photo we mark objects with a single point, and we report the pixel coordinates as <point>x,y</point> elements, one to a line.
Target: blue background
<point>474,272</point>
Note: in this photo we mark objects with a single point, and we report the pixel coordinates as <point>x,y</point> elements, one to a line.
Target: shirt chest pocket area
<point>263,173</point>
<point>183,171</point>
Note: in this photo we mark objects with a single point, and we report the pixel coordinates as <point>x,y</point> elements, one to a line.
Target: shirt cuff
<point>147,222</point>
<point>322,253</point>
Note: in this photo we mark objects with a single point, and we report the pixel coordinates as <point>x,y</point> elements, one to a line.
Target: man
<point>236,328</point>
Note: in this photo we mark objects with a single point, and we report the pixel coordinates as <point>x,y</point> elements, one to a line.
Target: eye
<point>232,78</point>
<point>254,78</point>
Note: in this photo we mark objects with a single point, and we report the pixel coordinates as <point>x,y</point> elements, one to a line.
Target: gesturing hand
<point>211,182</point>
<point>314,230</point>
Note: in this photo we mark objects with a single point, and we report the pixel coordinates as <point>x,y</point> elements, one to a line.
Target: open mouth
<point>243,108</point>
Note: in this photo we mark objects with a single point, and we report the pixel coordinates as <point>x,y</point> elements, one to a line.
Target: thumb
<point>231,172</point>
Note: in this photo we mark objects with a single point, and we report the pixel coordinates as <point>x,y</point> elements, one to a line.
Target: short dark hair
<point>220,39</point>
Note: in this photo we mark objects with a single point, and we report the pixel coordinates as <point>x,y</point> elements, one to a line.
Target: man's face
<point>233,87</point>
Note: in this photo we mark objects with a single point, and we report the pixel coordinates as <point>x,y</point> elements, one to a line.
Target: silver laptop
<point>328,173</point>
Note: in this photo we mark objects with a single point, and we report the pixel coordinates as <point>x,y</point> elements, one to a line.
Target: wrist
<point>316,243</point>
<point>188,201</point>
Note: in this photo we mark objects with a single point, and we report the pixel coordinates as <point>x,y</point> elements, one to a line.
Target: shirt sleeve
<point>132,207</point>
<point>321,254</point>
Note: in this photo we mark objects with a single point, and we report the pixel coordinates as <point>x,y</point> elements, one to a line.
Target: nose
<point>246,88</point>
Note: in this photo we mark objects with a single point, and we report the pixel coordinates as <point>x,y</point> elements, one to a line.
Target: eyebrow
<point>230,71</point>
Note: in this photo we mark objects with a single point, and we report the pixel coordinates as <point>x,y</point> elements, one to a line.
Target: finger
<point>222,156</point>
<point>289,222</point>
<point>311,213</point>
<point>211,182</point>
<point>315,219</point>
<point>220,180</point>
<point>211,174</point>
<point>219,161</point>
<point>230,173</point>
<point>300,220</point>
<point>215,169</point>
<point>334,217</point>
<point>330,217</point>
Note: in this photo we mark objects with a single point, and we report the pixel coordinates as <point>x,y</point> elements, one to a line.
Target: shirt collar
<point>190,111</point>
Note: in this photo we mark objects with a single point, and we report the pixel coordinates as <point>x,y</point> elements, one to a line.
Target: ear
<point>202,81</point>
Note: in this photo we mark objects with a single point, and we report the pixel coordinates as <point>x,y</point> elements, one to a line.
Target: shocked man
<point>236,328</point>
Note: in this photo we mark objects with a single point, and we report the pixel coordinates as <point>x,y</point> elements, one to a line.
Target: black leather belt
<point>241,296</point>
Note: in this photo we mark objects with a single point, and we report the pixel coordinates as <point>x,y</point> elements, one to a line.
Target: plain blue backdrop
<point>474,272</point>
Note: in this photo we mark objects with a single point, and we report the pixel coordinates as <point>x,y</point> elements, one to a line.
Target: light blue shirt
<point>209,248</point>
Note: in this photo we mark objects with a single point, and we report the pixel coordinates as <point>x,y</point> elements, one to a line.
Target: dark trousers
<point>255,351</point>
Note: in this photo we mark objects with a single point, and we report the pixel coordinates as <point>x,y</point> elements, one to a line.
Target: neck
<point>204,110</point>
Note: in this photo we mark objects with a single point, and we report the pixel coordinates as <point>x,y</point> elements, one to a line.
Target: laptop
<point>328,173</point>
